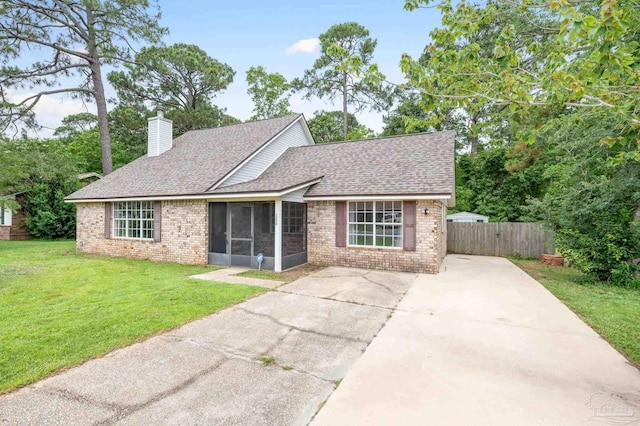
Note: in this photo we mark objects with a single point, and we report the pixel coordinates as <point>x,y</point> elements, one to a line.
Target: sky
<point>282,37</point>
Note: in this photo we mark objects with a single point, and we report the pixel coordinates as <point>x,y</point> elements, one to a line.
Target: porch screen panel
<point>218,227</point>
<point>294,228</point>
<point>264,228</point>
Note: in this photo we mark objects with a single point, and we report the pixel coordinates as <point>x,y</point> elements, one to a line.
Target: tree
<point>74,124</point>
<point>326,126</point>
<point>590,201</point>
<point>546,57</point>
<point>344,69</point>
<point>180,76</point>
<point>270,93</point>
<point>78,37</point>
<point>411,115</point>
<point>491,184</point>
<point>26,162</point>
<point>47,216</point>
<point>205,116</point>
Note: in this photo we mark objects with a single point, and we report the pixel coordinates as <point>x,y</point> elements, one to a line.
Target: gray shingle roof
<point>198,160</point>
<point>418,164</point>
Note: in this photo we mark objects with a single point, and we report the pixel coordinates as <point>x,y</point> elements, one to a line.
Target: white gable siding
<point>295,196</point>
<point>292,137</point>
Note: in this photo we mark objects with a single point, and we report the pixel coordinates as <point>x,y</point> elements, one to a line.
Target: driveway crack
<point>303,330</point>
<point>127,411</point>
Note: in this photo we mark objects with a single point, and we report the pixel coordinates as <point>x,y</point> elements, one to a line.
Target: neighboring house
<point>12,223</point>
<point>221,196</point>
<point>467,217</point>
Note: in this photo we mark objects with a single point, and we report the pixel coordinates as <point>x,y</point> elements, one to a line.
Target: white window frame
<point>145,206</point>
<point>374,224</point>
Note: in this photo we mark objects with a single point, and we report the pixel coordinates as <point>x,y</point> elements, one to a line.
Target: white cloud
<point>307,45</point>
<point>50,110</point>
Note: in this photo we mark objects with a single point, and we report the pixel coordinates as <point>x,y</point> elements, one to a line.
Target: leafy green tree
<point>180,76</point>
<point>489,184</point>
<point>47,216</point>
<point>326,126</point>
<point>591,199</point>
<point>74,124</point>
<point>205,116</point>
<point>26,162</point>
<point>345,69</point>
<point>547,57</point>
<point>412,116</point>
<point>270,93</point>
<point>74,38</point>
<point>129,129</point>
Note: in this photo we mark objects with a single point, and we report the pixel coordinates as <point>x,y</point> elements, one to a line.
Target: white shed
<point>467,217</point>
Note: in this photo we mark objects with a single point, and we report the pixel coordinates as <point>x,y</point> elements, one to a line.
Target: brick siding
<point>17,229</point>
<point>430,242</point>
<point>184,234</point>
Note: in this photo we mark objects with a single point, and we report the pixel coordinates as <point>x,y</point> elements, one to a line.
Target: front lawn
<point>613,312</point>
<point>58,308</point>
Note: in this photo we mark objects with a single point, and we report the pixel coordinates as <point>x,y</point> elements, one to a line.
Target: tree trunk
<point>345,115</point>
<point>474,140</point>
<point>98,93</point>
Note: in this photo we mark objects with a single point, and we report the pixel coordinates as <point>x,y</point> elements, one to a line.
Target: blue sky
<point>250,32</point>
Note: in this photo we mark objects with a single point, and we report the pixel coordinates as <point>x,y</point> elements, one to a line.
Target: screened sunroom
<point>240,231</point>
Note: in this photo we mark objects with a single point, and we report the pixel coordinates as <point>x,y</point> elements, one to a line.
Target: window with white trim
<point>133,219</point>
<point>375,223</point>
<point>1,215</point>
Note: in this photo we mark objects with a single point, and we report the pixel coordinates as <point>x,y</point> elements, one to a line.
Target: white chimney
<point>160,137</point>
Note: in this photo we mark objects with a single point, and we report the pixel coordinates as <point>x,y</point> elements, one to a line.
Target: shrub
<point>47,216</point>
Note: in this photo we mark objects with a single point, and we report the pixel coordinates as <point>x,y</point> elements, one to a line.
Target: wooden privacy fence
<point>499,239</point>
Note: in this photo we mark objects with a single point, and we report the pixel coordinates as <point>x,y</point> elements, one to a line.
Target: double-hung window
<point>133,219</point>
<point>375,223</point>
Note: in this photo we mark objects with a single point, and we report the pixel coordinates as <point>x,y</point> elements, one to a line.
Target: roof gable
<point>417,164</point>
<point>197,161</point>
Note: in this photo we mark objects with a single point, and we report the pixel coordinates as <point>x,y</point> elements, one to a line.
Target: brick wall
<point>184,234</point>
<point>430,242</point>
<point>17,229</point>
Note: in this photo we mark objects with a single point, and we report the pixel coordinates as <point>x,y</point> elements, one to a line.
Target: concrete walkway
<point>482,343</point>
<point>229,275</point>
<point>272,360</point>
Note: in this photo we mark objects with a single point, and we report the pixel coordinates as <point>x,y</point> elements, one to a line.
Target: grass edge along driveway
<point>613,312</point>
<point>59,309</point>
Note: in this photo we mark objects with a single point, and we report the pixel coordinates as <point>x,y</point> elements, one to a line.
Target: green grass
<point>614,312</point>
<point>58,308</point>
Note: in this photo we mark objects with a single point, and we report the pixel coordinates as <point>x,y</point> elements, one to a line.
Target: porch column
<point>278,238</point>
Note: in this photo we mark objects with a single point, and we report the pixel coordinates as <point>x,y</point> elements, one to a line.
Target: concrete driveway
<point>482,343</point>
<point>272,360</point>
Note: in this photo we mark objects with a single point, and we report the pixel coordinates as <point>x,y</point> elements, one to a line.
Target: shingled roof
<point>197,161</point>
<point>417,164</point>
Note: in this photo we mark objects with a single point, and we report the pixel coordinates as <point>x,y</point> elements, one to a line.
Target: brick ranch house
<point>222,196</point>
